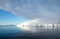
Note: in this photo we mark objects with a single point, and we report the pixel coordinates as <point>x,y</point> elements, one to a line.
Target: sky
<point>47,10</point>
<point>7,18</point>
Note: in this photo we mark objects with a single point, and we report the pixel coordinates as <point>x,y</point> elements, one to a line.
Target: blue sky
<point>7,18</point>
<point>47,10</point>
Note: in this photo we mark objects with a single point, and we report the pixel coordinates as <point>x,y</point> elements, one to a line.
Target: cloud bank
<point>30,25</point>
<point>32,9</point>
<point>35,26</point>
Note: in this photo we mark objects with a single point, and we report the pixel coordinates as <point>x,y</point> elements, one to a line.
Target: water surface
<point>6,31</point>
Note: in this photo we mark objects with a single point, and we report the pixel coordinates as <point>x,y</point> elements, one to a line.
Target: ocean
<point>9,31</point>
<point>42,32</point>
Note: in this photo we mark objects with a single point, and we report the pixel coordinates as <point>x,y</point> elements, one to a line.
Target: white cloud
<point>27,26</point>
<point>47,10</point>
<point>34,25</point>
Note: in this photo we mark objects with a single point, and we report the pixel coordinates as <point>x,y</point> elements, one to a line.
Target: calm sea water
<point>9,31</point>
<point>43,31</point>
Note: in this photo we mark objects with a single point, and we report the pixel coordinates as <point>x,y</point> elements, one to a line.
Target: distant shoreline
<point>6,25</point>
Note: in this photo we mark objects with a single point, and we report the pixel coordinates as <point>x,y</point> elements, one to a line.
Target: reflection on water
<point>13,30</point>
<point>39,29</point>
<point>51,32</point>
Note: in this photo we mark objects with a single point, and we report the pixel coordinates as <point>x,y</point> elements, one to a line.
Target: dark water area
<point>12,32</point>
<point>9,31</point>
